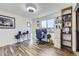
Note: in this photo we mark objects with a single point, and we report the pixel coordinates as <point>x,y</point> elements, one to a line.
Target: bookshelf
<point>66,32</point>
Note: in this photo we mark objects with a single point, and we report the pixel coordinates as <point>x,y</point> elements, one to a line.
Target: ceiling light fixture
<point>31,8</point>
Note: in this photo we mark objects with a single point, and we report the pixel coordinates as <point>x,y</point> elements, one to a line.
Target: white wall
<point>74,31</point>
<point>7,35</point>
<point>74,28</point>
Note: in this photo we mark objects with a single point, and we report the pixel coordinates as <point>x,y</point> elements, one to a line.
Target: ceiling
<point>42,8</point>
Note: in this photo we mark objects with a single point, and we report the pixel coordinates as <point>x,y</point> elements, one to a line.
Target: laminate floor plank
<point>26,48</point>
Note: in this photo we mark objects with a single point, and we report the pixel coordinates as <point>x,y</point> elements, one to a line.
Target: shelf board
<point>67,46</point>
<point>67,14</point>
<point>67,40</point>
<point>66,20</point>
<point>66,33</point>
<point>66,17</point>
<point>67,27</point>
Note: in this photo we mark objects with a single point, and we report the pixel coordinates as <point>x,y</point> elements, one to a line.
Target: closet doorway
<point>77,29</point>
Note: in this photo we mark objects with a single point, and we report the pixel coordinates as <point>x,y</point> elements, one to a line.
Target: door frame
<point>76,30</point>
<point>76,9</point>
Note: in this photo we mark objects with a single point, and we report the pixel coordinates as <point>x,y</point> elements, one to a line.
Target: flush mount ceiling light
<point>31,8</point>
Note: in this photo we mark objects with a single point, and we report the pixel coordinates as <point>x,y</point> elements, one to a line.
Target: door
<point>77,31</point>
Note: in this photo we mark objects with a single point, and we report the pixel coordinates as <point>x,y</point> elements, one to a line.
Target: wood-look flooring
<point>27,49</point>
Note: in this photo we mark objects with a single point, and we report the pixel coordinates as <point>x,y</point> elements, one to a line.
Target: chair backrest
<point>48,36</point>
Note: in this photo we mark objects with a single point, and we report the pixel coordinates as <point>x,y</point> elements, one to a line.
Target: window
<point>44,24</point>
<point>48,23</point>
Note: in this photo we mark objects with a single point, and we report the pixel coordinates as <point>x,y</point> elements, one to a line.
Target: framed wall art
<point>7,22</point>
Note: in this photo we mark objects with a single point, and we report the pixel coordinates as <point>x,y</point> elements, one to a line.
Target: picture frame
<point>7,22</point>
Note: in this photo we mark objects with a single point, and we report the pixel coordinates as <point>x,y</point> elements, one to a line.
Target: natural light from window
<point>44,24</point>
<point>48,23</point>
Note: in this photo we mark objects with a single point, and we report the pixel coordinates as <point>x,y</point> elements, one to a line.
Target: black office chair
<point>18,36</point>
<point>48,36</point>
